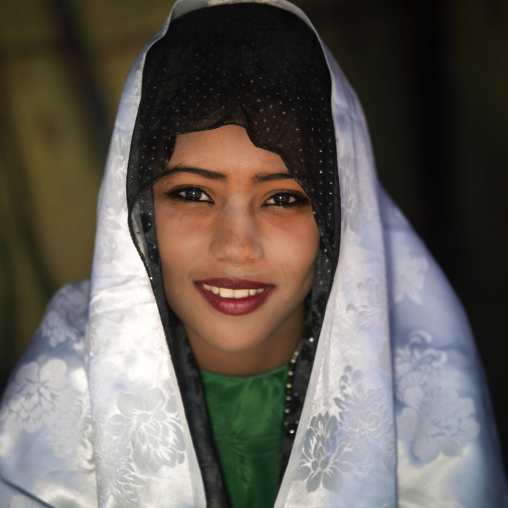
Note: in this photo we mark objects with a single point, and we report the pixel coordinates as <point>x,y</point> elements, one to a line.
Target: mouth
<point>234,297</point>
<point>232,293</point>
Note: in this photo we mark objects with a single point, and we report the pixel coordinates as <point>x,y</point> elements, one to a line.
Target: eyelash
<point>177,195</point>
<point>182,194</point>
<point>297,200</point>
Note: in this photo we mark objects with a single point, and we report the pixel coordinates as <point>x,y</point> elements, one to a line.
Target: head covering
<point>102,409</point>
<point>265,71</point>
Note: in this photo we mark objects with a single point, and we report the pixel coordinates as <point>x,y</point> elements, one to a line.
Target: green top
<point>247,417</point>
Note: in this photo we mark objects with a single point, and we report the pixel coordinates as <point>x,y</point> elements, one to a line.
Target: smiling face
<point>238,242</point>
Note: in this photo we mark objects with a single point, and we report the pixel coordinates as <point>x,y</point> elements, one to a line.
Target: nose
<point>236,237</point>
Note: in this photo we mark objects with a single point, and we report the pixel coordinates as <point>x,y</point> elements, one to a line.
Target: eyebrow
<point>206,173</point>
<point>215,175</point>
<point>268,177</point>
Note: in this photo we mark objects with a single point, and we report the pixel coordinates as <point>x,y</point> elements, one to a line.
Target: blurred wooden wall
<point>62,68</point>
<point>433,79</point>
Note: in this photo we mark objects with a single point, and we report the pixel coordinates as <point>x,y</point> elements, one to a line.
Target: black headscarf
<point>262,68</point>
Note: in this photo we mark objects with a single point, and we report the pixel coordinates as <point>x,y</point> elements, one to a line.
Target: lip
<point>234,306</point>
<point>227,283</point>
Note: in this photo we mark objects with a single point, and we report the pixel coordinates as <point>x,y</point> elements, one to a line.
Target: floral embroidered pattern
<point>145,433</point>
<point>324,455</point>
<point>148,430</point>
<point>71,432</point>
<point>418,365</point>
<point>357,200</point>
<point>40,398</point>
<point>117,164</point>
<point>36,396</point>
<point>350,195</point>
<point>409,276</point>
<point>107,247</point>
<point>434,418</point>
<point>369,305</point>
<point>115,475</point>
<point>356,440</point>
<point>66,316</point>
<point>365,421</point>
<point>97,338</point>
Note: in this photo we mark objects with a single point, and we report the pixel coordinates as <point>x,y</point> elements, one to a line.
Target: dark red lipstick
<point>234,306</point>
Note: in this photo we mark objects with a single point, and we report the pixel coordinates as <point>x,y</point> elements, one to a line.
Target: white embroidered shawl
<point>397,412</point>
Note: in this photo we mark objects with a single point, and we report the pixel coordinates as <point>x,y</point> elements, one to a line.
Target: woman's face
<point>237,241</point>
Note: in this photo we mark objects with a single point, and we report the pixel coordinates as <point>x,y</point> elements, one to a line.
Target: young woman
<point>262,326</point>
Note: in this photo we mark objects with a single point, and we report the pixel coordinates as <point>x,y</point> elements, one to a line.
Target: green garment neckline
<point>247,418</point>
<point>266,373</point>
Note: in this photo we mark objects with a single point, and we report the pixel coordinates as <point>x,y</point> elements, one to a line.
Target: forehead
<point>228,149</point>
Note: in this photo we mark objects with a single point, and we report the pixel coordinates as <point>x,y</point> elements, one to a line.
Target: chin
<point>231,339</point>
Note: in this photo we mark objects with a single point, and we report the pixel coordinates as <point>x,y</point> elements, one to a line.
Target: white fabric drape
<point>397,412</point>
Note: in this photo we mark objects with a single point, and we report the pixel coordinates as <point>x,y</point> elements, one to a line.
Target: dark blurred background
<point>433,80</point>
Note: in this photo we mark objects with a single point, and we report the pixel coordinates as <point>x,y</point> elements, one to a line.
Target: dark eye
<point>286,199</point>
<point>190,194</point>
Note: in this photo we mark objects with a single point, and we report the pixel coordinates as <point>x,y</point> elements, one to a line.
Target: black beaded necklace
<point>300,367</point>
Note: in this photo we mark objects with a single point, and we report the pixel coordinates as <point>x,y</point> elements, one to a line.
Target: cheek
<point>308,250</point>
<point>177,248</point>
<point>178,234</point>
<point>294,251</point>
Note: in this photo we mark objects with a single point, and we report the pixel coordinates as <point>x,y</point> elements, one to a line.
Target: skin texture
<point>229,222</point>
